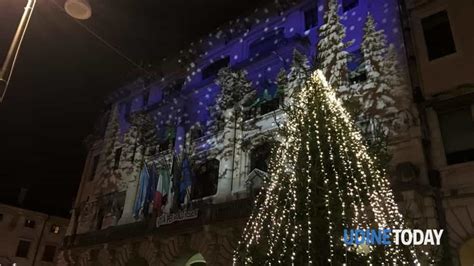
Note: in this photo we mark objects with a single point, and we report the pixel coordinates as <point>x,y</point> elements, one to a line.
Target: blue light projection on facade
<point>262,51</point>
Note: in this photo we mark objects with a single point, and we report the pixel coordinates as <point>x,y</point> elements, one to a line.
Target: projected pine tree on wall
<point>322,180</point>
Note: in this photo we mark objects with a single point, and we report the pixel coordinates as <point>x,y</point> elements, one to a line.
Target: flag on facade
<point>142,191</point>
<point>150,196</point>
<point>162,188</point>
<point>186,182</point>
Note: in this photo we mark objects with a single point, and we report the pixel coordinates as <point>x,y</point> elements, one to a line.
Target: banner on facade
<point>182,215</point>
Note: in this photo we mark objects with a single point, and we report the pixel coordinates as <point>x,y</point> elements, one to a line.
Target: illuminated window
<point>30,223</point>
<point>23,249</point>
<point>55,229</point>
<point>49,253</point>
<point>438,36</point>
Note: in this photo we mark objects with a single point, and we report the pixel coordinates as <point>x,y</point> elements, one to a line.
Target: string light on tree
<point>322,180</point>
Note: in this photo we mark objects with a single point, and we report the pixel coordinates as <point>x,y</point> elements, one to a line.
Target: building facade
<point>164,127</point>
<point>28,237</point>
<point>443,58</point>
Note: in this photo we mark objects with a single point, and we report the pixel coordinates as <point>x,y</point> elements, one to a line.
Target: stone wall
<point>214,242</point>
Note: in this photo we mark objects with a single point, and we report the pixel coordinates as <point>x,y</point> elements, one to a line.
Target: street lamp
<point>7,68</point>
<point>79,9</point>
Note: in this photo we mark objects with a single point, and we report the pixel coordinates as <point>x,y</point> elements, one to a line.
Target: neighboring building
<point>443,50</point>
<point>29,238</point>
<point>227,157</point>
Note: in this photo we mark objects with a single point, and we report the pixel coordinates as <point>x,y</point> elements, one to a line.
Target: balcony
<point>101,213</point>
<point>207,214</point>
<point>203,144</point>
<point>264,121</point>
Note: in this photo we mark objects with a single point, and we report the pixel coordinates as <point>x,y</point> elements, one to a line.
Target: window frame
<point>53,227</point>
<point>27,249</point>
<point>445,109</point>
<point>430,45</point>
<point>199,190</point>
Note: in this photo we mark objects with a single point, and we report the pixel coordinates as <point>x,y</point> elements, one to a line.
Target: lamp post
<point>8,64</point>
<point>79,9</point>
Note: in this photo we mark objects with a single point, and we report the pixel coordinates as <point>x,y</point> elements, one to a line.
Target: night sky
<point>64,73</point>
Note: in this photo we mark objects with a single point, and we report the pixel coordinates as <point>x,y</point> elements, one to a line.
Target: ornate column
<point>133,181</point>
<point>239,154</point>
<point>226,156</point>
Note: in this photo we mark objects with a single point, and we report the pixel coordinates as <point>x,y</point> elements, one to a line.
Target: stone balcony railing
<point>203,143</point>
<point>208,214</point>
<point>109,205</point>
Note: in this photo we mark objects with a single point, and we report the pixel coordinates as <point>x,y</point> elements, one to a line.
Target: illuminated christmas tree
<point>322,181</point>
